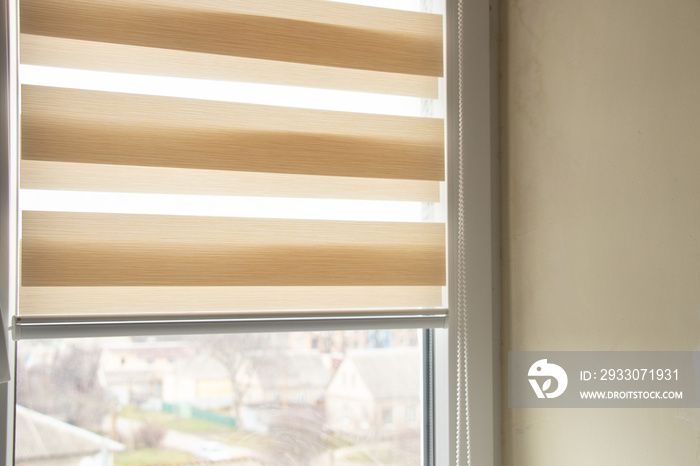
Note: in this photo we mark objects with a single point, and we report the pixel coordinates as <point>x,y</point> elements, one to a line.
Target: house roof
<point>290,369</point>
<point>39,436</point>
<point>389,373</point>
<point>202,367</point>
<point>151,349</point>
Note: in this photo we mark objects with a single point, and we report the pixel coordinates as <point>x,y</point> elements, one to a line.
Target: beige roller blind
<point>86,139</point>
<point>313,32</point>
<point>80,54</point>
<point>112,128</point>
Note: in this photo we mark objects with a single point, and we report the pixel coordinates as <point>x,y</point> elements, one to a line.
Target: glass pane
<point>314,398</point>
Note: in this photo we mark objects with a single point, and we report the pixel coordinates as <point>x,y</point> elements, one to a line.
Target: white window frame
<point>473,332</point>
<point>472,336</point>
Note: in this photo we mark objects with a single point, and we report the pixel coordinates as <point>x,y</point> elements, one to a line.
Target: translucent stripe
<point>406,5</point>
<point>223,206</point>
<point>198,300</point>
<point>252,93</point>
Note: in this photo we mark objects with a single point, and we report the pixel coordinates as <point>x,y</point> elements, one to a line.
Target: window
<point>387,416</point>
<point>41,102</point>
<point>410,414</point>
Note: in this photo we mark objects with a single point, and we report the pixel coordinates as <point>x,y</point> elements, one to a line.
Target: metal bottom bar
<point>40,327</point>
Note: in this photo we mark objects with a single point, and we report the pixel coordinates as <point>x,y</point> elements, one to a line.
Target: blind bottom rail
<point>41,327</point>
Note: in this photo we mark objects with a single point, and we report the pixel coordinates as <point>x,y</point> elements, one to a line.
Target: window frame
<point>7,411</point>
<point>472,130</point>
<point>472,76</point>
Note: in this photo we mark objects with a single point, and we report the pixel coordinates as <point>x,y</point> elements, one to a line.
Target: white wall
<point>601,210</point>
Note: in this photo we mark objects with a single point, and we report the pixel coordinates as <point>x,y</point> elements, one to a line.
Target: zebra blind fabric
<point>122,143</point>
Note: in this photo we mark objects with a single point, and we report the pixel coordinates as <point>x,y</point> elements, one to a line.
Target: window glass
<point>314,398</point>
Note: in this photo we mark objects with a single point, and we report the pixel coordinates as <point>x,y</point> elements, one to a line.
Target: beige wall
<point>601,210</point>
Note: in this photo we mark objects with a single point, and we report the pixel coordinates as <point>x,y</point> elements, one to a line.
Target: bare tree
<point>67,388</point>
<point>233,352</point>
<point>296,436</point>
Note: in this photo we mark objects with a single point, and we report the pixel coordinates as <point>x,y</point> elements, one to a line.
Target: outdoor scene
<point>314,398</point>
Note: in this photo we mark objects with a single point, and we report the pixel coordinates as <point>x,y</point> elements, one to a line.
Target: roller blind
<point>272,169</point>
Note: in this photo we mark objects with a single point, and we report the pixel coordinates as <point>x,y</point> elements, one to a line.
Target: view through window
<point>310,398</point>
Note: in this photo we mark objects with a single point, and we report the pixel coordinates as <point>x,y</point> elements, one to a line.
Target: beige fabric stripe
<point>116,58</point>
<point>67,176</point>
<point>141,300</point>
<point>125,129</point>
<point>313,32</point>
<point>86,249</point>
